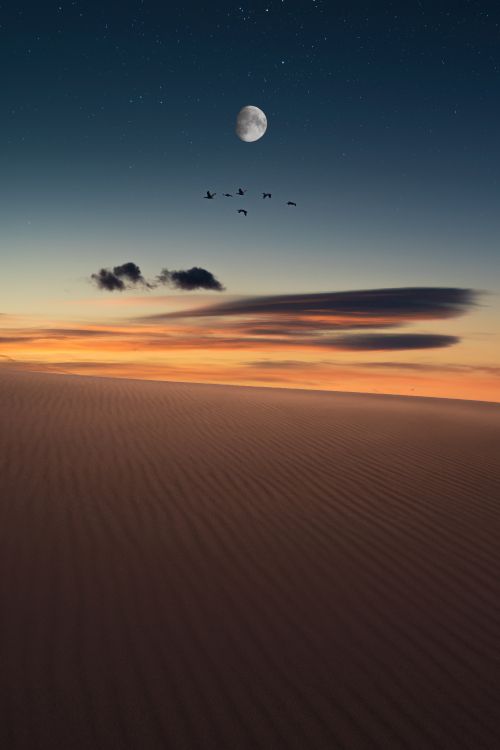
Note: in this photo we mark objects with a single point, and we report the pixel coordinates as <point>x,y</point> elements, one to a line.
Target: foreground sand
<point>190,566</point>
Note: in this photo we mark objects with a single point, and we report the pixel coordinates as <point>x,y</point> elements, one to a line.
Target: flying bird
<point>227,195</point>
<point>242,192</point>
<point>266,195</point>
<point>291,203</point>
<point>209,196</point>
<point>242,211</point>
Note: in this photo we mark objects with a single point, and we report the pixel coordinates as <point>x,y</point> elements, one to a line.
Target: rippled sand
<point>198,566</point>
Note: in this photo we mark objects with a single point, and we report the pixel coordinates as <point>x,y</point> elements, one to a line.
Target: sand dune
<point>196,566</point>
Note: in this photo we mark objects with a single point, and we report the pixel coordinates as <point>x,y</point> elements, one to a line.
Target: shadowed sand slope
<point>196,566</point>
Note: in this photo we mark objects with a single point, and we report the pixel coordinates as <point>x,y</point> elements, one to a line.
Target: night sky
<point>383,127</point>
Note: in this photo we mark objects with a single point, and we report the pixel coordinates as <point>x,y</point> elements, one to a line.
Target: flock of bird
<point>241,191</point>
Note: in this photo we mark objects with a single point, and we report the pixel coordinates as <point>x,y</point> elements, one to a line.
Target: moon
<point>251,124</point>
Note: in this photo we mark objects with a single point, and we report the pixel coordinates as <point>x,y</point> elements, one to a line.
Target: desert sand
<point>202,566</point>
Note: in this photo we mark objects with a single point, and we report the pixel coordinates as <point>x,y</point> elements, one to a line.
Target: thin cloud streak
<point>417,367</point>
<point>393,341</point>
<point>406,303</point>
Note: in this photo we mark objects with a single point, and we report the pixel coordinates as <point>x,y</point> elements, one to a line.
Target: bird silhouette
<point>242,211</point>
<point>209,196</point>
<point>291,203</point>
<point>242,192</point>
<point>227,195</point>
<point>266,195</point>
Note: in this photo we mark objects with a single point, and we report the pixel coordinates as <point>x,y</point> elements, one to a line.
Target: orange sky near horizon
<point>226,350</point>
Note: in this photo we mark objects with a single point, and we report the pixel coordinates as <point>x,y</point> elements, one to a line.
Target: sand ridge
<point>196,566</point>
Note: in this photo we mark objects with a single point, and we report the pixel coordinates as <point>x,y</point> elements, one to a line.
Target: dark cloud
<point>131,273</point>
<point>400,304</point>
<point>194,278</point>
<point>361,342</point>
<point>106,279</point>
<point>129,276</point>
<point>364,342</point>
<point>393,341</point>
<point>126,276</point>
